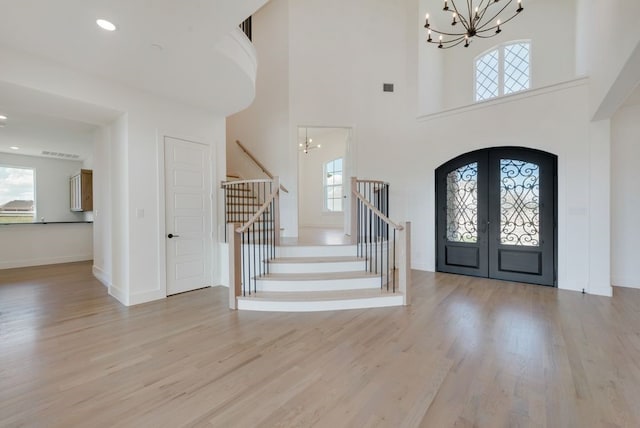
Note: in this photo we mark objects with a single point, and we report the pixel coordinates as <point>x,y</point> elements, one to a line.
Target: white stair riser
<point>318,305</point>
<point>316,267</point>
<point>318,285</point>
<point>316,251</point>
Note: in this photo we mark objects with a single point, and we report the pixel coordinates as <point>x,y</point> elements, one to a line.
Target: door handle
<point>171,235</point>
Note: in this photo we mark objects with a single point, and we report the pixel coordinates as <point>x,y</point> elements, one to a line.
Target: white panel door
<point>188,215</point>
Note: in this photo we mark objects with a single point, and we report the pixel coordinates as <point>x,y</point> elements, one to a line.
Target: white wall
<point>42,244</point>
<point>625,197</point>
<point>554,121</point>
<point>373,42</point>
<point>51,187</point>
<point>268,135</point>
<point>131,163</point>
<point>102,236</point>
<point>549,24</point>
<point>607,37</point>
<point>311,179</point>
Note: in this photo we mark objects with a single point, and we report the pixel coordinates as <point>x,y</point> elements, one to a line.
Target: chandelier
<point>480,21</point>
<point>306,146</point>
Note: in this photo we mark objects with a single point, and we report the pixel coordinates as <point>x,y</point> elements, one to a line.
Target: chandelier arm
<point>480,36</point>
<point>483,29</point>
<point>458,40</point>
<point>463,20</point>
<point>496,15</point>
<point>483,9</point>
<point>469,8</point>
<point>433,30</point>
<point>452,45</point>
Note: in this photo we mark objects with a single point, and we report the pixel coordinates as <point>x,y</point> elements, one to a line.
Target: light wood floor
<point>468,352</point>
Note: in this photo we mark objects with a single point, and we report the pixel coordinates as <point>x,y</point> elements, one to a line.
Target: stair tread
<point>325,259</point>
<point>317,276</point>
<point>322,295</point>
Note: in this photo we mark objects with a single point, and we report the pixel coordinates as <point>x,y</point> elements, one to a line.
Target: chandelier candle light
<point>306,147</point>
<point>479,21</point>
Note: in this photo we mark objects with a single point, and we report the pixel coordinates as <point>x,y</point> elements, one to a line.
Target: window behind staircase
<point>333,187</point>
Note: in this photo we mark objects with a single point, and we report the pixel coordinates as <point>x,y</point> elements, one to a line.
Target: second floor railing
<point>246,28</point>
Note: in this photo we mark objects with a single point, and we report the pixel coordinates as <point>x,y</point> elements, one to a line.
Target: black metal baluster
<point>244,270</point>
<point>394,260</point>
<point>260,259</point>
<point>253,246</point>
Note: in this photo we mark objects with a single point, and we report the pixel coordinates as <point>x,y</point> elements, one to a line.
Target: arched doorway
<point>496,215</point>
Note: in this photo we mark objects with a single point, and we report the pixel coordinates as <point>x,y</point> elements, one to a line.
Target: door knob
<point>171,235</point>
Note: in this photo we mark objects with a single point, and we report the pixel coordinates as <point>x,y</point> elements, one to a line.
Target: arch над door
<point>496,215</point>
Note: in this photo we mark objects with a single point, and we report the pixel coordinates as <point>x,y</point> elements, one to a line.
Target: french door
<point>496,215</point>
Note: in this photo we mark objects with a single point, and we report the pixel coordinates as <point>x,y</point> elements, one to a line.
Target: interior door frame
<point>488,182</point>
<point>349,170</point>
<point>162,220</point>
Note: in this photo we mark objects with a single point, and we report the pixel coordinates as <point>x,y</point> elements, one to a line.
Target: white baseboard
<point>422,267</point>
<point>45,261</point>
<point>120,295</point>
<point>147,296</point>
<point>101,276</point>
<point>625,282</point>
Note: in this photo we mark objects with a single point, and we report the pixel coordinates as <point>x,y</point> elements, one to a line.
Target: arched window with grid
<point>503,70</point>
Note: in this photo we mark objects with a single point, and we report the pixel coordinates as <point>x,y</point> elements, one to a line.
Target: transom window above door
<point>503,70</point>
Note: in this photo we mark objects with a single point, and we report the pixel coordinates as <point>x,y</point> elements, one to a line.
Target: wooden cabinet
<point>81,186</point>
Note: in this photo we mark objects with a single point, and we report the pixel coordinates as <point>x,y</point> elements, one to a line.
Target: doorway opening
<point>323,168</point>
<point>496,215</point>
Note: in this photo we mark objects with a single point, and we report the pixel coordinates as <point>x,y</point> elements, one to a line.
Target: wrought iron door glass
<point>519,203</point>
<point>462,204</point>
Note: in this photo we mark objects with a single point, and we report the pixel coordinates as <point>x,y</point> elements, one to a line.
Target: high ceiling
<point>172,48</point>
<point>38,122</point>
<point>179,50</point>
<point>634,97</point>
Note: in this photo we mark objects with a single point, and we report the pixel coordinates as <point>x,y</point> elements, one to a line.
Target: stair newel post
<point>235,264</point>
<point>353,211</point>
<point>276,217</point>
<point>404,261</point>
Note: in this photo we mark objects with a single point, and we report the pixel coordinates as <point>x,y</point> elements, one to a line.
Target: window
<point>16,195</point>
<point>333,185</point>
<point>503,70</point>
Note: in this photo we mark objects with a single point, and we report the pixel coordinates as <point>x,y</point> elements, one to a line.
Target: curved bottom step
<point>319,301</point>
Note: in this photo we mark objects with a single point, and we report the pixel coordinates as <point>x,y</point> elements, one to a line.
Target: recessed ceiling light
<point>3,117</point>
<point>106,25</point>
<point>14,148</point>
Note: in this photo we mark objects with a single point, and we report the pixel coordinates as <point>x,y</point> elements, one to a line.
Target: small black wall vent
<point>387,87</point>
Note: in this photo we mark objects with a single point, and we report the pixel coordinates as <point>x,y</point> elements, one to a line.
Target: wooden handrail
<point>262,209</point>
<point>255,180</point>
<point>260,165</point>
<point>361,180</point>
<point>376,211</point>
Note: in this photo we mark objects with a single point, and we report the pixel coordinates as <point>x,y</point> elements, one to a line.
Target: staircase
<point>370,272</point>
<point>318,278</point>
